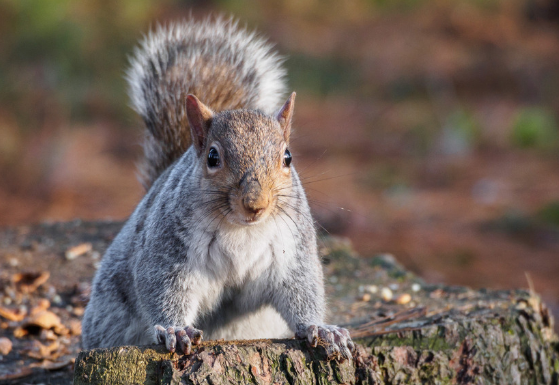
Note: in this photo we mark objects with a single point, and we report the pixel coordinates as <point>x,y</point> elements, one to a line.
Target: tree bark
<point>437,335</point>
<point>491,345</point>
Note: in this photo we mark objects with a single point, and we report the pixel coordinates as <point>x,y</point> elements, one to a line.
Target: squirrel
<point>223,242</point>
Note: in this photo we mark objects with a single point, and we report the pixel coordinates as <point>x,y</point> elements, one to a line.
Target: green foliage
<point>67,58</point>
<point>512,222</point>
<point>549,214</point>
<point>461,133</point>
<point>535,127</point>
<point>321,76</point>
<point>385,176</point>
<point>465,124</point>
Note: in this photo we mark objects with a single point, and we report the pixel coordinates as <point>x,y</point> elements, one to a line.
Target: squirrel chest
<point>235,263</point>
<point>235,257</point>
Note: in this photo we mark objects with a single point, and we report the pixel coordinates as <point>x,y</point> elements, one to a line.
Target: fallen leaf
<point>44,352</point>
<point>44,320</point>
<point>17,373</point>
<point>48,335</point>
<point>12,314</point>
<point>42,305</point>
<point>50,365</point>
<point>5,346</point>
<point>61,330</point>
<point>75,327</point>
<point>20,332</point>
<point>29,282</point>
<point>56,365</point>
<point>78,311</point>
<point>76,251</point>
<point>48,349</point>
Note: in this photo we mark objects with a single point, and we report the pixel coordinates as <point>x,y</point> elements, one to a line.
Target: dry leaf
<point>42,305</point>
<point>12,314</point>
<point>5,346</point>
<point>43,352</point>
<point>48,335</point>
<point>17,373</point>
<point>50,365</point>
<point>20,332</point>
<point>61,330</point>
<point>78,311</point>
<point>75,327</point>
<point>29,282</point>
<point>76,251</point>
<point>44,320</point>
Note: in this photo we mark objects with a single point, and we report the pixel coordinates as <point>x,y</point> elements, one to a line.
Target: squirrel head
<point>244,159</point>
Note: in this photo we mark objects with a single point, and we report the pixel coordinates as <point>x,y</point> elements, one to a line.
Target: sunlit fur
<point>225,66</point>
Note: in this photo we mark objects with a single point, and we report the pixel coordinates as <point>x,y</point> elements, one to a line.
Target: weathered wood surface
<point>456,336</point>
<point>442,335</point>
<point>439,334</point>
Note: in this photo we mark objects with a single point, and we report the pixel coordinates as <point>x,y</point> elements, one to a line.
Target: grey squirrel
<point>223,242</point>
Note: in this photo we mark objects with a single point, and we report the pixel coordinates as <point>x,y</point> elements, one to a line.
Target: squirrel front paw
<point>336,340</point>
<point>184,337</point>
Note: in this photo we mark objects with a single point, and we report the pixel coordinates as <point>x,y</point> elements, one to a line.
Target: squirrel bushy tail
<point>225,66</point>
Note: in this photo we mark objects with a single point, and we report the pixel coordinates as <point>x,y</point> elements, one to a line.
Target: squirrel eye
<point>287,158</point>
<point>213,158</point>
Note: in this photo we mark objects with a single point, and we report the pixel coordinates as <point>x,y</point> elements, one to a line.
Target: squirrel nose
<point>255,206</point>
<point>254,199</point>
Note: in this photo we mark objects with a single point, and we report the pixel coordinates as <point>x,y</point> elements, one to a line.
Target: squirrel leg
<point>183,337</point>
<point>176,306</point>
<point>336,340</point>
<point>299,298</point>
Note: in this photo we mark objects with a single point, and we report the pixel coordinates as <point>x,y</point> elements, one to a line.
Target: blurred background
<point>426,129</point>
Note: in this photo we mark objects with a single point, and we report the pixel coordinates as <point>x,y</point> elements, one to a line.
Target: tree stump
<point>407,332</point>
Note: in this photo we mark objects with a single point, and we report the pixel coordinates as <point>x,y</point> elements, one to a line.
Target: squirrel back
<point>225,66</point>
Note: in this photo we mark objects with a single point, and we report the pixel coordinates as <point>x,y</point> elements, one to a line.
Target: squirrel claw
<point>185,344</point>
<point>195,335</point>
<point>336,340</point>
<point>183,337</point>
<point>312,335</point>
<point>170,339</point>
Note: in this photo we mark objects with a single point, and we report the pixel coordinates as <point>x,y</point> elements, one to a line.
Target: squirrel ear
<point>285,116</point>
<point>199,117</point>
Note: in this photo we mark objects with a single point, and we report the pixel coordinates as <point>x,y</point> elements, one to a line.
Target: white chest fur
<point>237,256</point>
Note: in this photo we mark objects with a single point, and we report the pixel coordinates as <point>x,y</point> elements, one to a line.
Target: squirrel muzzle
<point>254,200</point>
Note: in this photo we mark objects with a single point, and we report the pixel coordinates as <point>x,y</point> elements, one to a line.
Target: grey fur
<point>195,254</point>
<point>224,66</point>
